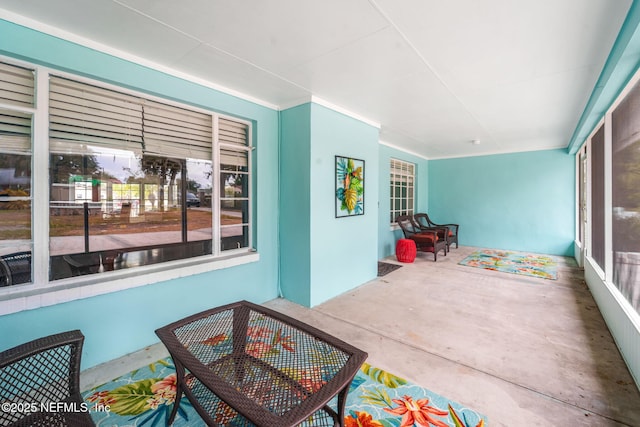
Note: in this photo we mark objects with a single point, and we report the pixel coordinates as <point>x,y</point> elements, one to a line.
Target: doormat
<point>514,262</point>
<point>376,398</point>
<point>385,268</point>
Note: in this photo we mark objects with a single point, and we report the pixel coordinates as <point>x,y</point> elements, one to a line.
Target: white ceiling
<point>434,74</point>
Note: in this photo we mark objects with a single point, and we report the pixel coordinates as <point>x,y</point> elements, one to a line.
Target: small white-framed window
<point>402,189</point>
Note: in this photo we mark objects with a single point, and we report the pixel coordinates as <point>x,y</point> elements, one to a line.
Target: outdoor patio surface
<point>521,350</point>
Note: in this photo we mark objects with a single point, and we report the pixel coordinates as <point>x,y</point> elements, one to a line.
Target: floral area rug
<point>145,397</point>
<point>514,262</point>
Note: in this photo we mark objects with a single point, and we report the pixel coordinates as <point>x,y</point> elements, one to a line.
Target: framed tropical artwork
<point>349,187</point>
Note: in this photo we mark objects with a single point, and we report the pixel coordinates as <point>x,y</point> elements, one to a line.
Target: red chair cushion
<point>424,238</point>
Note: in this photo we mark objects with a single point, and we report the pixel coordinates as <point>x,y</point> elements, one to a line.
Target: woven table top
<point>272,369</point>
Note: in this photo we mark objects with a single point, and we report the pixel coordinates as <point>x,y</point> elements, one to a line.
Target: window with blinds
<point>83,115</point>
<point>132,180</point>
<point>234,183</point>
<point>16,110</point>
<point>402,189</point>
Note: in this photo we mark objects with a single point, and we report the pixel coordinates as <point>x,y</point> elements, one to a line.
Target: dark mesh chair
<point>5,273</point>
<point>426,240</point>
<point>44,372</point>
<point>15,268</point>
<point>423,221</point>
<point>83,263</point>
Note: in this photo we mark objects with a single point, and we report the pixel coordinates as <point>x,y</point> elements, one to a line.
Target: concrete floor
<point>522,351</point>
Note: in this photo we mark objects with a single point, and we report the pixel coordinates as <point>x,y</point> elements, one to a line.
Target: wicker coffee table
<point>242,364</point>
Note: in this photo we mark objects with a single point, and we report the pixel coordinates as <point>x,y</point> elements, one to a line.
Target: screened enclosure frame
<point>616,265</point>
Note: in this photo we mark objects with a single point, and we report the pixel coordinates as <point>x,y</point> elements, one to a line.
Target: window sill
<point>28,297</point>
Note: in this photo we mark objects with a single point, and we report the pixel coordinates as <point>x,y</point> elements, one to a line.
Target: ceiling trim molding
<point>91,44</point>
<point>334,107</point>
<point>316,100</point>
<point>404,150</point>
<point>295,103</point>
<point>499,153</point>
<point>616,74</point>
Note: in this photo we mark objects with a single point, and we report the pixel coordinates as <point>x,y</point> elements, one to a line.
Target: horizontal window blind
<point>234,134</point>
<point>233,158</point>
<point>176,132</point>
<point>231,132</point>
<point>15,132</point>
<point>81,116</point>
<point>16,89</point>
<point>16,85</point>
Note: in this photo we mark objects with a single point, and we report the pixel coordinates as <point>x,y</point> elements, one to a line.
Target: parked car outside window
<point>192,200</point>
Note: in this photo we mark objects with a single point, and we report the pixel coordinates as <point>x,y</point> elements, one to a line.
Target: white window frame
<point>400,168</point>
<point>42,292</point>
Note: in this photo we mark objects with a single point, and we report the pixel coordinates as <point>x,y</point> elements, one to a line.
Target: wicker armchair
<point>427,240</point>
<point>41,379</point>
<point>15,268</point>
<point>423,221</point>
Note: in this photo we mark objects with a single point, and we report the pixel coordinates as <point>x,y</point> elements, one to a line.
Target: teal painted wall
<point>323,256</point>
<point>343,250</point>
<point>387,237</point>
<point>121,322</point>
<point>295,204</point>
<point>520,201</point>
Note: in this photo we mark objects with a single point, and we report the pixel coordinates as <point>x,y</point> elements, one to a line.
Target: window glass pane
<point>597,197</point>
<point>234,185</point>
<point>582,197</point>
<point>234,237</point>
<point>402,188</point>
<point>15,198</point>
<point>234,212</point>
<point>626,197</point>
<point>198,200</point>
<point>234,188</point>
<point>110,205</point>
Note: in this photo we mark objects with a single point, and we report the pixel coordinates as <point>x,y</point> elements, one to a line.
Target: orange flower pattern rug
<point>526,264</point>
<point>145,397</point>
